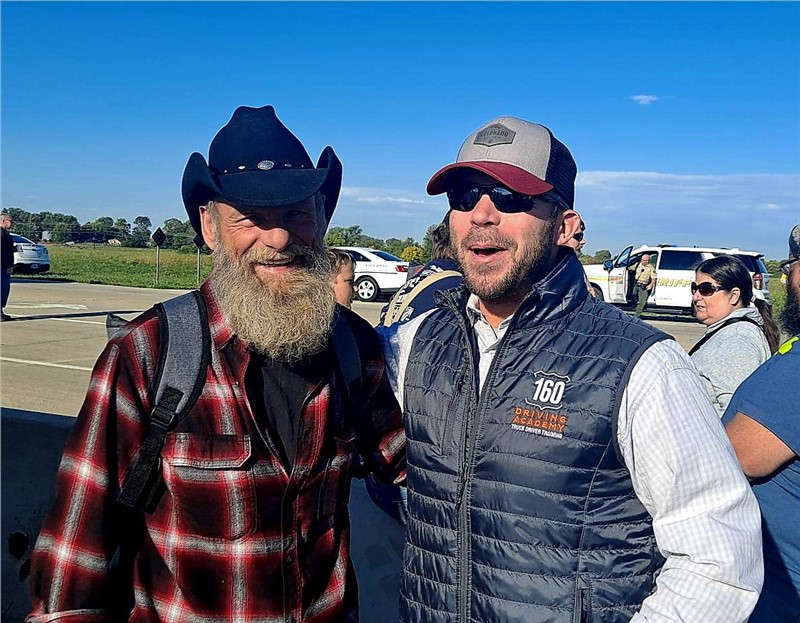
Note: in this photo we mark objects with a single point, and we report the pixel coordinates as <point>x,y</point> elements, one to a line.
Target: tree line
<point>64,228</point>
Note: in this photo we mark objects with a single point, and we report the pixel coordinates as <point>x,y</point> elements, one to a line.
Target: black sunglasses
<point>578,236</point>
<point>706,288</point>
<point>505,200</point>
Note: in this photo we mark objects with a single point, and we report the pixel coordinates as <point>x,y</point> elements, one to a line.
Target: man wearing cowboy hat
<point>250,521</point>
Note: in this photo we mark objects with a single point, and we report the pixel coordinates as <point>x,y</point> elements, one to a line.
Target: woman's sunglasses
<point>706,288</point>
<point>578,236</point>
<point>505,200</point>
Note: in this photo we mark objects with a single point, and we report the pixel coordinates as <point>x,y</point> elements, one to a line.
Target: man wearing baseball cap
<point>565,464</point>
<point>762,422</point>
<point>248,520</point>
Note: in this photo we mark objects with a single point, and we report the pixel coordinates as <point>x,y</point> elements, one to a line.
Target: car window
<point>680,260</point>
<point>386,256</point>
<point>623,258</point>
<point>20,239</point>
<point>751,262</point>
<point>357,257</point>
<point>635,259</point>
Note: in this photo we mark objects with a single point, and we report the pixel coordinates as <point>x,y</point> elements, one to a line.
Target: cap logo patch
<point>495,134</point>
<point>265,165</point>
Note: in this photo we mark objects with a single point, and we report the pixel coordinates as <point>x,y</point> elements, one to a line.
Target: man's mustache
<point>267,255</point>
<point>486,237</point>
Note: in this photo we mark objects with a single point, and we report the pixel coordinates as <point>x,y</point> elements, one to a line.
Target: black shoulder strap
<point>348,357</point>
<point>730,321</point>
<point>348,363</point>
<point>180,375</point>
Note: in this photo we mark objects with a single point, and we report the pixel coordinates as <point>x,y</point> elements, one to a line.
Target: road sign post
<point>158,237</point>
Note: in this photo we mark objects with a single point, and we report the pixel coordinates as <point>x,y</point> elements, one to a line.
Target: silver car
<point>30,257</point>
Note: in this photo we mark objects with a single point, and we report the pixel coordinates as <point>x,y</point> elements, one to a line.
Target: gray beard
<point>287,317</point>
<point>790,314</point>
<point>516,283</point>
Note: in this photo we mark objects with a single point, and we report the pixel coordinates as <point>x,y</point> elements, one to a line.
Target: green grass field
<point>121,266</point>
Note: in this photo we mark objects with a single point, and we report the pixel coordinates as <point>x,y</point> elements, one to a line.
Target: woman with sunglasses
<point>740,333</point>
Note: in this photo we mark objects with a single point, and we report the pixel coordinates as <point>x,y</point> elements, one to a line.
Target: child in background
<point>343,270</point>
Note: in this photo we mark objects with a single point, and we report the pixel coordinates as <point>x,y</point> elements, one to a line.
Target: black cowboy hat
<point>255,161</point>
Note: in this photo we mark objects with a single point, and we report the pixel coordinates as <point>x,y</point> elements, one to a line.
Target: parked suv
<point>613,280</point>
<point>29,257</point>
<point>378,273</point>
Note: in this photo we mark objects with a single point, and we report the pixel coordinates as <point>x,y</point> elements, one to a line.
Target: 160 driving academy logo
<point>540,414</point>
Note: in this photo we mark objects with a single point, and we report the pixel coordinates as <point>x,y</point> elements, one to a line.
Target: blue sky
<point>684,118</point>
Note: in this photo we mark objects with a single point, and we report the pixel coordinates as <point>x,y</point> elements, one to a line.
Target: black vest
<point>520,506</point>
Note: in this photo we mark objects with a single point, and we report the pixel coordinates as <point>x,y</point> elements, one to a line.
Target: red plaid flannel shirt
<point>234,536</point>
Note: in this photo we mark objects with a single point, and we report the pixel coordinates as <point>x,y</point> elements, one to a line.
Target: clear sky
<point>684,118</point>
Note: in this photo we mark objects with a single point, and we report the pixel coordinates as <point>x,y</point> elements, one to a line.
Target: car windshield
<point>20,239</point>
<point>753,263</point>
<point>680,260</point>
<point>386,256</point>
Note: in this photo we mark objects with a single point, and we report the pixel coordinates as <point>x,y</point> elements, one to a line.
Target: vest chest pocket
<point>210,480</point>
<point>453,416</point>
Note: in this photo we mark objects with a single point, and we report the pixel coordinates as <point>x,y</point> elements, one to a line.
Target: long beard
<point>518,278</point>
<point>790,314</point>
<point>285,316</point>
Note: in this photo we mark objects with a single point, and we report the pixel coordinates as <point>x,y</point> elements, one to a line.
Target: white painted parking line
<point>45,363</point>
<point>46,306</point>
<point>38,319</point>
<point>102,322</point>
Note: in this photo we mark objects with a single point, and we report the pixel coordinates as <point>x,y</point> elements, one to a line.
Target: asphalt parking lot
<point>47,352</point>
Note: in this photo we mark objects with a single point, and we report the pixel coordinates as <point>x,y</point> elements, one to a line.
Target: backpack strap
<point>348,359</point>
<point>728,322</point>
<point>348,365</point>
<point>179,380</point>
<point>395,313</point>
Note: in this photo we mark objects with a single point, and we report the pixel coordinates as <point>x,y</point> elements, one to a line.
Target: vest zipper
<point>476,407</point>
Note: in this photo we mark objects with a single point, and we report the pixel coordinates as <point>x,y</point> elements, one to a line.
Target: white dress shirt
<point>705,518</point>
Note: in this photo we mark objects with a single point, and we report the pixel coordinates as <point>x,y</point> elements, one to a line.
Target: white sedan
<point>378,273</point>
<point>30,257</point>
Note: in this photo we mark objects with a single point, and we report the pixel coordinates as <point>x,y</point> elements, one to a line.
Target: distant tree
<point>413,253</point>
<point>370,242</point>
<point>773,268</point>
<point>99,230</point>
<point>427,242</point>
<point>26,223</point>
<point>32,225</point>
<point>344,236</point>
<point>140,234</point>
<point>601,256</point>
<point>122,230</point>
<point>67,230</point>
<point>394,246</point>
<point>179,233</point>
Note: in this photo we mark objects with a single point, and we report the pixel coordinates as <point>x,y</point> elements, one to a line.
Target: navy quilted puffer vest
<point>521,509</point>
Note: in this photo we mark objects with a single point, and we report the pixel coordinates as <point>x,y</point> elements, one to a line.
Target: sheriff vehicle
<point>613,280</point>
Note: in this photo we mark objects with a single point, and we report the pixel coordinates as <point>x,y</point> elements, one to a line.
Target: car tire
<point>367,289</point>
